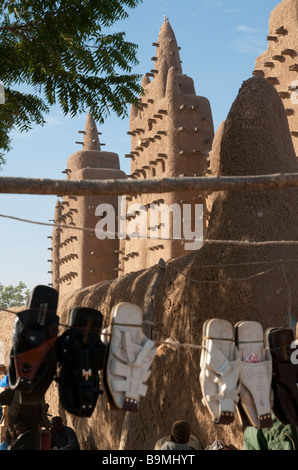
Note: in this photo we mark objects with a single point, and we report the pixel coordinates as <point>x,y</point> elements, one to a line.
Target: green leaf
<point>64,51</point>
<point>13,296</point>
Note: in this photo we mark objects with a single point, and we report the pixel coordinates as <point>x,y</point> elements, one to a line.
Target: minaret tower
<point>80,258</point>
<point>279,64</point>
<point>171,135</point>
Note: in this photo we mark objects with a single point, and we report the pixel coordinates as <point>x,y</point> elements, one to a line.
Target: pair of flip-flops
<point>236,372</point>
<point>37,352</point>
<point>129,357</point>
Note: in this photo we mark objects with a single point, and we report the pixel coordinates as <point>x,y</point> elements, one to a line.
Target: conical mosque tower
<point>279,64</point>
<point>79,257</point>
<point>171,136</point>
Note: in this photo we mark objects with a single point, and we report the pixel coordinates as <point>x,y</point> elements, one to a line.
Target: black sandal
<point>284,374</point>
<point>81,355</point>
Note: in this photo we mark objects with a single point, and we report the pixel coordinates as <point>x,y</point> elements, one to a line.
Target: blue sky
<point>219,39</point>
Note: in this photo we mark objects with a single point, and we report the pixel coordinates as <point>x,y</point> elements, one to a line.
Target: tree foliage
<point>66,53</point>
<point>13,296</point>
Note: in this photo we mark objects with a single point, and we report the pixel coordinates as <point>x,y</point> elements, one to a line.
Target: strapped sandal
<point>219,375</point>
<point>254,407</point>
<point>285,374</point>
<point>81,355</point>
<point>130,355</point>
<point>33,360</point>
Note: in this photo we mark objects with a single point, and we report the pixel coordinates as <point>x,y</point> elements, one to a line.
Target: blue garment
<point>66,440</point>
<point>4,382</point>
<point>3,445</point>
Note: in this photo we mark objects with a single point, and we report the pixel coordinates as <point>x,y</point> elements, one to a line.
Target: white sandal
<point>255,374</point>
<point>219,375</point>
<point>130,355</point>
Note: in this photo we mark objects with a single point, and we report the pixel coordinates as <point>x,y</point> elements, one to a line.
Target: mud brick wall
<point>279,64</point>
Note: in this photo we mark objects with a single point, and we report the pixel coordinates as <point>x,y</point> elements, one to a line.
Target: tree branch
<point>14,27</point>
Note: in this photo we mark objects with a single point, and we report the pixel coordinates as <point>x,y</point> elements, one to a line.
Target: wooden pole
<point>11,185</point>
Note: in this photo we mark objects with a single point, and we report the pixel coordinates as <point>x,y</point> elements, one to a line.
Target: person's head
<point>20,427</point>
<point>180,432</point>
<point>56,424</point>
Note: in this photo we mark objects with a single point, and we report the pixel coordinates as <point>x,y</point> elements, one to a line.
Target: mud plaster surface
<point>255,140</point>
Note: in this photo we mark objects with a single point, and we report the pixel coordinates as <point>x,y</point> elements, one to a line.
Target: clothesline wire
<point>277,263</point>
<point>208,266</point>
<point>65,325</point>
<point>193,280</point>
<point>133,235</point>
<point>280,264</point>
<point>219,281</point>
<point>244,263</point>
<point>170,343</point>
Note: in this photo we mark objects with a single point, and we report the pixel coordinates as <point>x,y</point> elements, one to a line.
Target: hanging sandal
<point>219,374</point>
<point>130,355</point>
<point>285,374</point>
<point>33,360</point>
<point>81,355</point>
<point>255,375</point>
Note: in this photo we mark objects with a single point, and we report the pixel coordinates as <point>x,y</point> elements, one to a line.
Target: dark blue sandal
<point>81,355</point>
<point>279,341</point>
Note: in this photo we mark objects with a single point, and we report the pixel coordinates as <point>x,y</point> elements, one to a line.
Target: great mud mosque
<point>171,136</point>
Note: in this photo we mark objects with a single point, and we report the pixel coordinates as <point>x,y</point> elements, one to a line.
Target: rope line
<point>133,235</point>
<point>162,345</point>
<point>245,263</point>
<point>196,281</point>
